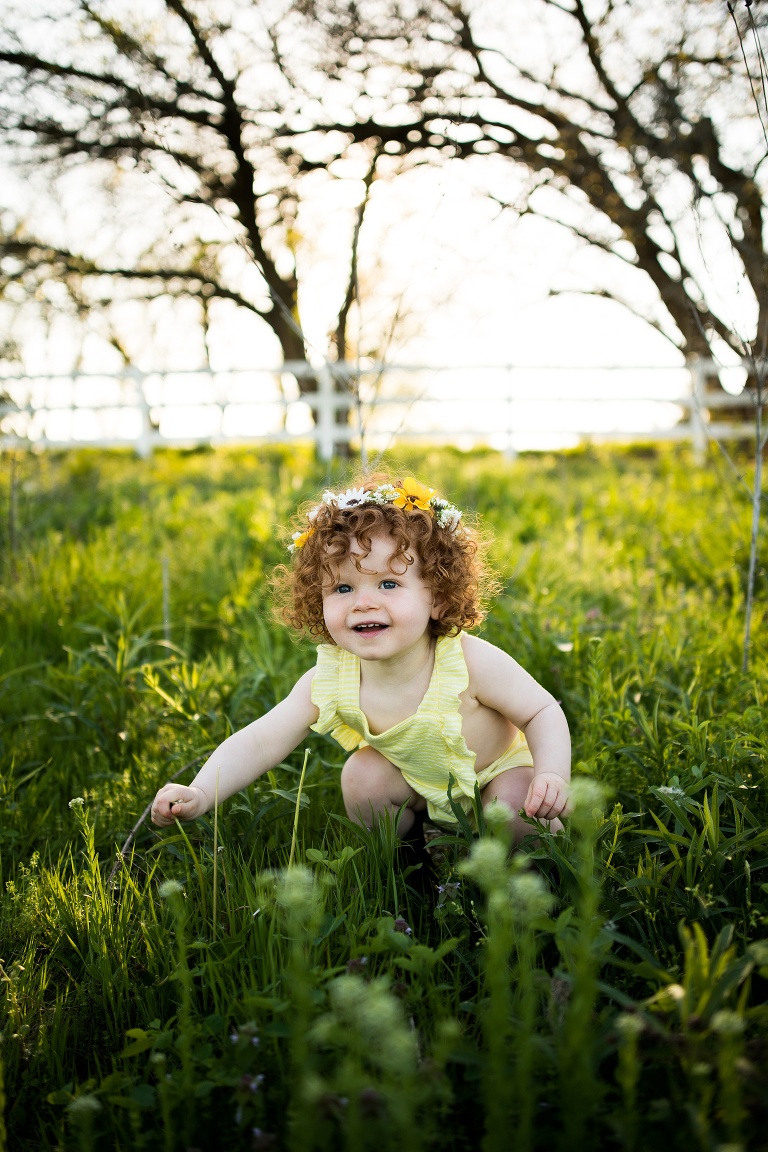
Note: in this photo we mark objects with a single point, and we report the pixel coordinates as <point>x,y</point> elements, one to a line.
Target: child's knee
<point>509,788</point>
<point>372,785</point>
<point>360,770</point>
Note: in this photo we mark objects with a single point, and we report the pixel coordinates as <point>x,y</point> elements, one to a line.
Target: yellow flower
<point>411,494</point>
<point>300,539</point>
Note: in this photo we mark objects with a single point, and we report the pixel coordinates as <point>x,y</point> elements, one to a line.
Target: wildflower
<point>530,895</point>
<point>357,964</point>
<point>369,1012</point>
<point>300,538</point>
<point>727,1023</point>
<point>664,790</point>
<point>170,888</point>
<point>384,494</point>
<point>251,1083</point>
<point>487,864</point>
<point>447,515</point>
<point>351,498</point>
<point>84,1105</point>
<point>629,1024</point>
<point>401,925</point>
<point>586,796</point>
<point>77,802</point>
<point>295,892</point>
<point>412,495</point>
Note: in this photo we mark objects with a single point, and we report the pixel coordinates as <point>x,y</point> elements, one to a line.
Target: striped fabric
<point>428,746</point>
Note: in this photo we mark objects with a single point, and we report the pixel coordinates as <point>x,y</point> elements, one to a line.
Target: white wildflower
<point>530,895</point>
<point>83,1105</point>
<point>447,515</point>
<point>77,802</point>
<point>487,864</point>
<point>727,1023</point>
<point>629,1024</point>
<point>351,498</point>
<point>587,795</point>
<point>296,892</point>
<point>384,494</point>
<point>170,888</point>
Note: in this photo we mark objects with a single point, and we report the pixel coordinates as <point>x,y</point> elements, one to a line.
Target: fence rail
<point>497,404</point>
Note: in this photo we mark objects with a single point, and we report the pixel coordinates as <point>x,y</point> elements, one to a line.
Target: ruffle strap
<point>325,697</point>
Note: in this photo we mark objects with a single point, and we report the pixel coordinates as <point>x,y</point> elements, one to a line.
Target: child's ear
<point>439,605</point>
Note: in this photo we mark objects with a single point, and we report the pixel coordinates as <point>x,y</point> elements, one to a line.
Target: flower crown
<point>408,495</point>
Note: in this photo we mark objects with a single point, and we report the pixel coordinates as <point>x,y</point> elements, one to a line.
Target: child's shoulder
<point>485,660</point>
<point>475,648</point>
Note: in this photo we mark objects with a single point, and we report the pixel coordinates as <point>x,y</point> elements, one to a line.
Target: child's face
<point>381,611</point>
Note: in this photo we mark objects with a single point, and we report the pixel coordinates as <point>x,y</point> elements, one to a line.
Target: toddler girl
<point>389,576</point>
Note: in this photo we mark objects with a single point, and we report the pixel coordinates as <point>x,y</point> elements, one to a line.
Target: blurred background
<point>516,224</point>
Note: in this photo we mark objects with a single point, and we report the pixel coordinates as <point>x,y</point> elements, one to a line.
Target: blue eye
<point>389,584</point>
<point>344,588</point>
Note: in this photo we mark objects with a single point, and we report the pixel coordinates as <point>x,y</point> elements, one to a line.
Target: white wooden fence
<point>496,404</point>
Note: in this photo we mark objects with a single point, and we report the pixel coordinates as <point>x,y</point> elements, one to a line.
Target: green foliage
<point>605,987</point>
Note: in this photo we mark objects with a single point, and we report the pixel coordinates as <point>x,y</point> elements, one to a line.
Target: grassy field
<point>604,989</point>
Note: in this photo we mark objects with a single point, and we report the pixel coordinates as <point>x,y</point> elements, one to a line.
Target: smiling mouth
<point>370,627</point>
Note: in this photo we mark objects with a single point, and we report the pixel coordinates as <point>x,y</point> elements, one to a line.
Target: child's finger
<point>545,800</point>
<point>168,805</point>
<point>535,801</point>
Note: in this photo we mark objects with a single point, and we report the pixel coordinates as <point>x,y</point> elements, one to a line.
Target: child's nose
<point>365,599</point>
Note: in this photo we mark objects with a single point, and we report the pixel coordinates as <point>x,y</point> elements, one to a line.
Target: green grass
<point>605,988</point>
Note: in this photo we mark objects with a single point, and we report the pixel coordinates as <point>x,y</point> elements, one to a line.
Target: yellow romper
<point>427,746</point>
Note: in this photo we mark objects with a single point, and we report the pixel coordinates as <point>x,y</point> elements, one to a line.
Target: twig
<point>134,831</point>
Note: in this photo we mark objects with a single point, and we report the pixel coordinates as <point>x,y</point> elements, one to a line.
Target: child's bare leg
<point>371,785</point>
<point>511,788</point>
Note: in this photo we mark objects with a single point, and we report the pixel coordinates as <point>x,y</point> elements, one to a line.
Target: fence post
<point>324,418</point>
<point>697,418</point>
<point>145,437</point>
<point>510,451</point>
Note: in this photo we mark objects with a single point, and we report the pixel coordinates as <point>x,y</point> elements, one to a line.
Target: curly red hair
<point>453,563</point>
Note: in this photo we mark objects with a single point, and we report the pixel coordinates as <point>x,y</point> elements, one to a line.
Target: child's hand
<point>547,796</point>
<point>177,802</point>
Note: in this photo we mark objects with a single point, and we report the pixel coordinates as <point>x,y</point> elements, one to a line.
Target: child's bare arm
<point>499,682</point>
<point>241,758</point>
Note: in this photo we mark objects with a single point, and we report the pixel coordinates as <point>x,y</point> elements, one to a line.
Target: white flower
<point>77,802</point>
<point>384,494</point>
<point>448,517</point>
<point>83,1105</point>
<point>351,498</point>
<point>170,888</point>
<point>727,1023</point>
<point>329,497</point>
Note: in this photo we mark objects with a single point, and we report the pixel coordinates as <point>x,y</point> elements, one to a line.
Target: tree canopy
<point>633,126</point>
<point>191,131</point>
<point>641,129</point>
